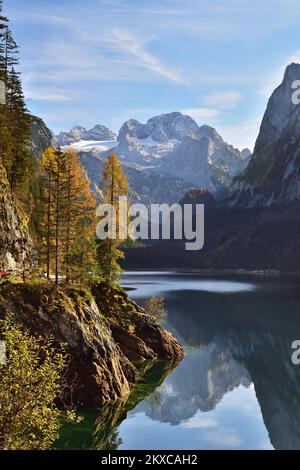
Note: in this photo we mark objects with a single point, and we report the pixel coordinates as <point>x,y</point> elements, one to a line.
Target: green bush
<point>30,382</point>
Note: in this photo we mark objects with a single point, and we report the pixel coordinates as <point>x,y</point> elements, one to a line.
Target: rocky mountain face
<point>246,153</point>
<point>104,334</point>
<point>146,186</point>
<point>174,145</point>
<point>78,133</point>
<point>273,174</point>
<point>15,243</point>
<point>257,226</point>
<point>16,249</point>
<point>41,137</point>
<point>162,158</point>
<point>200,383</point>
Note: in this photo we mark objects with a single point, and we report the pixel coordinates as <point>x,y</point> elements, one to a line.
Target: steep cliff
<point>15,242</point>
<point>41,137</point>
<point>105,335</point>
<point>272,176</point>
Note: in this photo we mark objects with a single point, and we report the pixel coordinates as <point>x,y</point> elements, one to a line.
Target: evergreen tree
<point>6,154</point>
<point>15,124</point>
<point>113,185</point>
<point>22,167</point>
<point>3,35</point>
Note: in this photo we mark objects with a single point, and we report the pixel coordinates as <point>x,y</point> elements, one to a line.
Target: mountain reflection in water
<point>236,386</point>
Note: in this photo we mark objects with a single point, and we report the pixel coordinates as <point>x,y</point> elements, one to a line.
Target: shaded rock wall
<point>15,242</point>
<point>102,357</point>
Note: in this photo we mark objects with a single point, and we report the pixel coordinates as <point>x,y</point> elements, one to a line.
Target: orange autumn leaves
<point>67,216</point>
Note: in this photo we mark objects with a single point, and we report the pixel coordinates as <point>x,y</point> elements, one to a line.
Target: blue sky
<point>105,61</point>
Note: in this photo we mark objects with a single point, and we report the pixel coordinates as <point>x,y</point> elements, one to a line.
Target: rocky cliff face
<point>147,186</point>
<point>41,137</point>
<point>273,175</point>
<point>162,158</point>
<point>173,144</point>
<point>206,161</point>
<point>104,335</point>
<point>15,243</point>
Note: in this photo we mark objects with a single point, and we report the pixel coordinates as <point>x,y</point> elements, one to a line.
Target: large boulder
<point>101,355</point>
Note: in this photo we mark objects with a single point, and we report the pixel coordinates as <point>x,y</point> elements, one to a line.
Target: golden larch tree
<point>113,185</point>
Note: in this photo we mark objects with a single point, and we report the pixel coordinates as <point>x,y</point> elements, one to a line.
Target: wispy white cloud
<point>200,113</point>
<point>226,438</point>
<point>195,19</point>
<point>116,57</point>
<point>44,95</point>
<point>128,43</point>
<point>114,50</point>
<point>224,99</point>
<point>200,422</point>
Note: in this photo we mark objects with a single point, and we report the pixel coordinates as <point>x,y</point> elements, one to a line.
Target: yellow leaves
<point>69,214</point>
<point>72,417</point>
<point>113,185</point>
<point>114,182</point>
<point>155,307</point>
<point>30,382</point>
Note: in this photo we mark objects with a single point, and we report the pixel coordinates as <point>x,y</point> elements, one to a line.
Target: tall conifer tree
<point>113,185</point>
<point>14,119</point>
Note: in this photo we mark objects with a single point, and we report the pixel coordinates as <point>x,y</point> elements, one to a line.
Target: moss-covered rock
<point>138,335</point>
<point>105,335</point>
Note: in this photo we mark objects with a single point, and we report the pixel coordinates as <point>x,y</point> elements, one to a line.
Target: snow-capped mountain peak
<point>162,128</point>
<point>169,147</point>
<point>79,133</point>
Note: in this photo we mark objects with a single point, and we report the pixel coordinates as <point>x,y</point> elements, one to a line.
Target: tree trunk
<point>57,221</point>
<point>48,223</point>
<point>112,198</point>
<point>68,227</point>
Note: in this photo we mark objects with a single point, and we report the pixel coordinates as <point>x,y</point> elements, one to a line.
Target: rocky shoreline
<point>107,336</point>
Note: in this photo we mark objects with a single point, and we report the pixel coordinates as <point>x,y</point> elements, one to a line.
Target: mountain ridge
<point>170,149</point>
<point>77,133</point>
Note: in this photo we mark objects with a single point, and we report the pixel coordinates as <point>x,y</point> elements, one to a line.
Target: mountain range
<point>162,158</point>
<point>256,224</point>
<point>78,133</point>
<point>171,154</point>
<point>252,201</point>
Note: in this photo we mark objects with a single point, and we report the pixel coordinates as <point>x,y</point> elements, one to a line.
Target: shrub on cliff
<point>155,308</point>
<point>30,377</point>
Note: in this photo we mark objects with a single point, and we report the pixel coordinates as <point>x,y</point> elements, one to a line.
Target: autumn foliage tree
<point>80,217</point>
<point>67,216</point>
<point>113,185</point>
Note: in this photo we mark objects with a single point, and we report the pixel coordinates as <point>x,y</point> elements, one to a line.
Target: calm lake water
<point>236,388</point>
